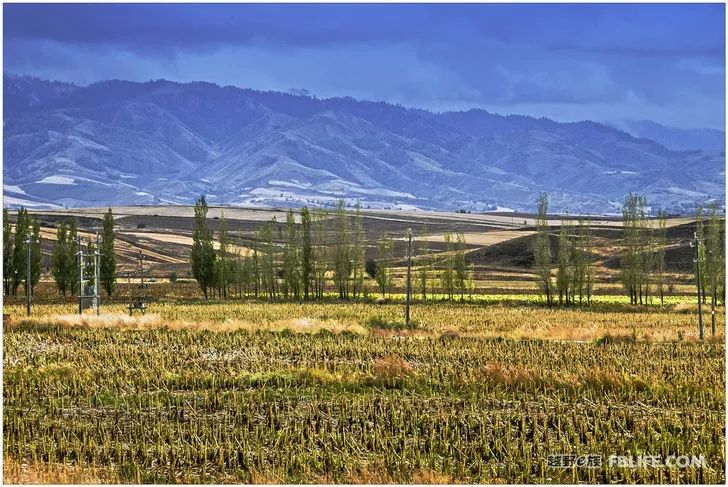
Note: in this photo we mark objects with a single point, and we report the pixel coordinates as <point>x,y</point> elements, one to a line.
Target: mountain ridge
<point>242,146</point>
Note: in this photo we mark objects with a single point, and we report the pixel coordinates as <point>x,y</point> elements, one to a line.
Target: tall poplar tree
<point>306,252</point>
<point>61,264</point>
<point>108,254</point>
<point>72,257</point>
<point>222,263</point>
<point>423,269</point>
<point>202,256</point>
<point>20,255</point>
<point>357,254</point>
<point>291,259</point>
<point>35,255</point>
<point>459,265</point>
<point>8,252</point>
<point>342,252</point>
<point>542,248</point>
<point>660,245</point>
<point>383,274</point>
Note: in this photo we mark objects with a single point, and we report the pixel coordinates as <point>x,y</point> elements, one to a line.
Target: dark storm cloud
<point>602,62</point>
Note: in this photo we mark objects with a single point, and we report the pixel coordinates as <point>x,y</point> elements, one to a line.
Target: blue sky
<point>568,62</point>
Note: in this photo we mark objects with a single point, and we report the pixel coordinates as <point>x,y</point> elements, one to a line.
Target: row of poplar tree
<point>15,251</point>
<point>642,262</point>
<point>295,260</point>
<point>574,280</point>
<point>65,265</point>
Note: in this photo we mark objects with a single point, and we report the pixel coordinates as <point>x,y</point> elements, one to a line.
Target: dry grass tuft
<point>22,473</point>
<point>392,367</point>
<point>154,321</point>
<point>265,478</point>
<point>427,476</point>
<point>496,373</point>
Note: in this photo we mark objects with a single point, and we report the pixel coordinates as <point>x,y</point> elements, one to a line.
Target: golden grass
<point>154,321</point>
<point>391,367</point>
<point>23,473</point>
<point>507,320</point>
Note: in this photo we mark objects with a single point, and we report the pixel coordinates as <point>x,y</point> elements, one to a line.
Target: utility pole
<point>696,244</point>
<point>409,273</point>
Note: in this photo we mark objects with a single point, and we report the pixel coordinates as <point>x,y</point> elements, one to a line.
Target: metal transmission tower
<point>84,297</point>
<point>696,243</point>
<point>137,301</point>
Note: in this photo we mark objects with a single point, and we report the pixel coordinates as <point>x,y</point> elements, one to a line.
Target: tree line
<point>295,260</point>
<point>26,232</point>
<point>642,270</point>
<point>65,265</point>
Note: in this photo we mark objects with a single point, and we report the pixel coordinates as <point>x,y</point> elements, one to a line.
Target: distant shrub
<point>172,277</point>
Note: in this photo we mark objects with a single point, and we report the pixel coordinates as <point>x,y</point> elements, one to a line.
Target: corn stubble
<point>175,404</point>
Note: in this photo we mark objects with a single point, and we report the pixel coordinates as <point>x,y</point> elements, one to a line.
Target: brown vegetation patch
<point>392,367</point>
<point>23,472</point>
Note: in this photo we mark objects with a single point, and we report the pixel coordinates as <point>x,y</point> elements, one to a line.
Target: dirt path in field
<point>184,240</point>
<point>486,238</point>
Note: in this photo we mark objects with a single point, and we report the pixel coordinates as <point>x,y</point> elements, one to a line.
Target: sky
<point>603,62</point>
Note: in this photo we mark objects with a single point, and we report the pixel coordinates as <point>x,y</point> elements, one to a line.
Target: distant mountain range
<point>120,142</point>
<point>709,140</point>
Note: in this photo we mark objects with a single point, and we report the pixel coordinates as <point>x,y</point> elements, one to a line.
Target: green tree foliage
<point>423,263</point>
<point>36,255</point>
<point>292,259</point>
<point>565,268</point>
<point>72,249</point>
<point>20,253</point>
<point>660,245</point>
<point>542,248</point>
<point>108,254</point>
<point>715,261</point>
<point>8,252</point>
<point>65,259</point>
<point>461,277</point>
<point>635,266</point>
<point>701,261</point>
<point>586,239</point>
<point>268,260</point>
<point>202,256</point>
<point>383,272</point>
<point>222,265</point>
<point>320,255</point>
<point>342,252</point>
<point>447,276</point>
<point>357,255</point>
<point>306,252</point>
<point>471,281</point>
